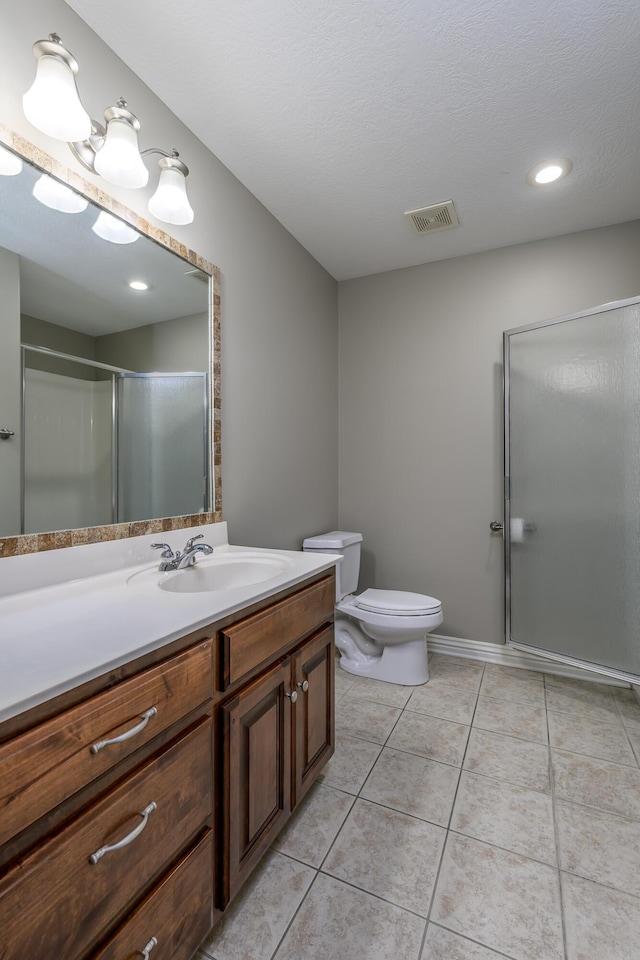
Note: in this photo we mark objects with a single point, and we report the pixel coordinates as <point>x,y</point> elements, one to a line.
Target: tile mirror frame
<point>36,542</point>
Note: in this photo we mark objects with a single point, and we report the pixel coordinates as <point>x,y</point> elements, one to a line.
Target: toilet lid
<point>397,603</point>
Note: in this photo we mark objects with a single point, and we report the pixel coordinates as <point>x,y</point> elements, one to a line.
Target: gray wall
<point>421,407</point>
<point>10,393</point>
<point>41,333</point>
<point>174,346</point>
<point>279,307</point>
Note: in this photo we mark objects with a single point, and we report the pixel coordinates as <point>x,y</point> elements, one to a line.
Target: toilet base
<point>403,663</point>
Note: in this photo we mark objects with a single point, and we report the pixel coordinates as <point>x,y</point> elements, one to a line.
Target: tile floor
<point>492,813</point>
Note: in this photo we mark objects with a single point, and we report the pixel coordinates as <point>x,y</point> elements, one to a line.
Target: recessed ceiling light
<point>138,285</point>
<point>549,172</point>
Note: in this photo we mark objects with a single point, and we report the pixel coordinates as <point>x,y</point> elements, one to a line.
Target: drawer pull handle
<point>130,837</point>
<point>304,685</point>
<point>144,720</point>
<point>144,953</point>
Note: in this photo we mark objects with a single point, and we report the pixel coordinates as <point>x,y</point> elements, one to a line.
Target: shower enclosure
<point>107,445</point>
<point>572,489</point>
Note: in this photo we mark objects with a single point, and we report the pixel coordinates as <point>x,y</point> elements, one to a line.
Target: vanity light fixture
<point>10,163</point>
<point>138,285</point>
<point>53,106</point>
<point>113,229</point>
<point>57,196</point>
<point>549,172</point>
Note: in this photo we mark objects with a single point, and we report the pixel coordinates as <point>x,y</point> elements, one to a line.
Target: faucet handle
<point>167,552</point>
<point>191,542</point>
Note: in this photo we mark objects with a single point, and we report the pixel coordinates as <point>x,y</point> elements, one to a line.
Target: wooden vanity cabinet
<point>196,755</point>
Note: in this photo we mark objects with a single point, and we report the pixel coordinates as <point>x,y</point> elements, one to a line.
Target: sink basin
<point>224,573</point>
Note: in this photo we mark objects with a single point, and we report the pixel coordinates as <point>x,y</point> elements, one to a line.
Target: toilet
<point>379,633</point>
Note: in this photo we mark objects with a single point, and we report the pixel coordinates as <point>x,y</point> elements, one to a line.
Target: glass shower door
<point>162,433</point>
<point>572,518</point>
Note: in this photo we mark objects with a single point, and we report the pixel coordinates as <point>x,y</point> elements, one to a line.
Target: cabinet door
<point>314,722</point>
<point>256,780</point>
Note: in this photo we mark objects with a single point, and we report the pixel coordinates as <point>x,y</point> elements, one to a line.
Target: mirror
<point>106,392</point>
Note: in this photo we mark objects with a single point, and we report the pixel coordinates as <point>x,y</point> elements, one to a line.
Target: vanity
<point>147,768</point>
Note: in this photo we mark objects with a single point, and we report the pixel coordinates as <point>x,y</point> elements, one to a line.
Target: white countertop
<point>67,616</point>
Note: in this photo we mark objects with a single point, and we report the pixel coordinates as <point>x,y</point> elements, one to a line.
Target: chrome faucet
<point>178,561</point>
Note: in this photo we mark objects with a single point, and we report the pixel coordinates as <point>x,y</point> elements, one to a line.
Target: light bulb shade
<point>10,163</point>
<point>52,103</point>
<point>57,196</point>
<point>119,160</point>
<point>170,202</point>
<point>114,230</point>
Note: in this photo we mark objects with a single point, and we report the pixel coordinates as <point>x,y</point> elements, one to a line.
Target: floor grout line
<point>294,915</point>
<point>434,892</point>
<point>556,831</point>
<point>498,953</point>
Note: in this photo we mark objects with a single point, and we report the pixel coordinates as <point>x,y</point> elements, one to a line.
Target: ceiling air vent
<point>198,275</point>
<point>439,216</point>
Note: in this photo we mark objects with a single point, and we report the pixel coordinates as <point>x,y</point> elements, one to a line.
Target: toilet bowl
<point>379,633</point>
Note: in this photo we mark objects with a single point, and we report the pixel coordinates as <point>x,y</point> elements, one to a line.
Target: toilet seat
<point>397,603</point>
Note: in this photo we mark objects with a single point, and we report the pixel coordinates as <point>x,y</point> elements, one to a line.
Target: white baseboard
<point>506,656</point>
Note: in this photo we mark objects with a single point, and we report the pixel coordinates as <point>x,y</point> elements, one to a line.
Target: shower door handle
<point>496,526</point>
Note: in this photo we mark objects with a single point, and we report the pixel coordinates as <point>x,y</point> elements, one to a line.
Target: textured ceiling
<point>341,115</point>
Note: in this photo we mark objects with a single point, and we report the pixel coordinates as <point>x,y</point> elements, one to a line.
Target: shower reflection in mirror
<point>107,445</point>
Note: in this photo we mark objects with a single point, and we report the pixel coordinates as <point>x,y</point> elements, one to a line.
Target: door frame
<point>549,655</point>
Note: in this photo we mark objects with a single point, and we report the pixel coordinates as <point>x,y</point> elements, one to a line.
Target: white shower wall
<point>67,452</point>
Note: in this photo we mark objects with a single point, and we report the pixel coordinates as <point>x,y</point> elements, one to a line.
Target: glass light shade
<point>170,202</point>
<point>119,160</point>
<point>10,164</point>
<point>114,230</point>
<point>58,196</point>
<point>52,103</point>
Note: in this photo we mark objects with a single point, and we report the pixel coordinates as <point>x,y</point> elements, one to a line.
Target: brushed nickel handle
<point>144,720</point>
<point>130,837</point>
<point>293,696</point>
<point>304,685</point>
<point>496,526</point>
<point>147,950</point>
<point>5,433</point>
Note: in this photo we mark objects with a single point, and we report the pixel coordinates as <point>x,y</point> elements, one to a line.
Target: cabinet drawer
<point>44,766</point>
<point>251,642</point>
<point>74,900</point>
<point>178,915</point>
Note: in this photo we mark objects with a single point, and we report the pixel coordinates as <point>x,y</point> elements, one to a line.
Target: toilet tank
<point>348,545</point>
